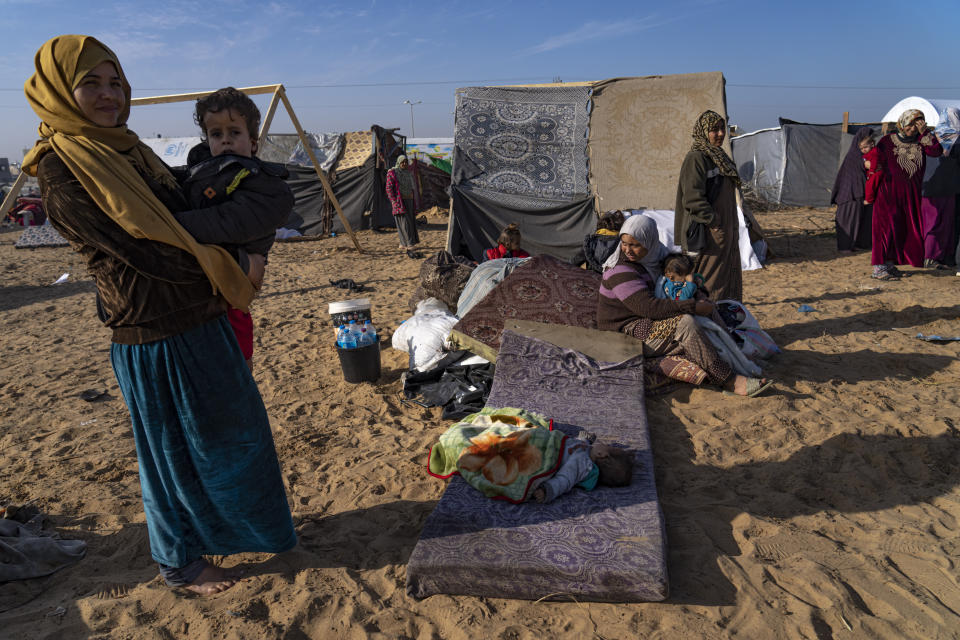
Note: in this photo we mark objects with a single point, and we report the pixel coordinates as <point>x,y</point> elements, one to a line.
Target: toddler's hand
<point>258,265</point>
<point>540,495</point>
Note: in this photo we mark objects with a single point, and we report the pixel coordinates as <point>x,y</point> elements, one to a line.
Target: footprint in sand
<point>784,545</point>
<point>814,548</point>
<point>935,581</point>
<point>911,546</point>
<point>112,590</point>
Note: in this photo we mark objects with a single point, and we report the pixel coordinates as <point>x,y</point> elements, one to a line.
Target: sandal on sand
<point>885,276</point>
<point>755,386</point>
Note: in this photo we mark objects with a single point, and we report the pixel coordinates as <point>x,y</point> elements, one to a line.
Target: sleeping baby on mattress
<point>515,455</point>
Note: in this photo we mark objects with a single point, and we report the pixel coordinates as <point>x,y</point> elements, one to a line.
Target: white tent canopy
<point>932,109</point>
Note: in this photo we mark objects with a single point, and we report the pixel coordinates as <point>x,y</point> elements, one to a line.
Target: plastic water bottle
<point>366,338</point>
<point>372,330</point>
<point>354,329</point>
<point>345,338</point>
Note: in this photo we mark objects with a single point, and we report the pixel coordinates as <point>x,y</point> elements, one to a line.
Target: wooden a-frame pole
<point>279,95</point>
<point>316,165</point>
<point>11,196</point>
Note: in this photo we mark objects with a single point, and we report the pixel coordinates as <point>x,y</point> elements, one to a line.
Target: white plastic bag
<point>423,336</point>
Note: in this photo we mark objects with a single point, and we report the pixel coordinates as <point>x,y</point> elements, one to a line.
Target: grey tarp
<point>759,159</point>
<point>794,164</point>
<point>810,166</point>
<point>557,230</point>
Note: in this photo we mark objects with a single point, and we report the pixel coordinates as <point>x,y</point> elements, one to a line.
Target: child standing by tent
<point>236,200</point>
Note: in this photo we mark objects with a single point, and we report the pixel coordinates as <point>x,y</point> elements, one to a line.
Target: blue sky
<point>348,65</point>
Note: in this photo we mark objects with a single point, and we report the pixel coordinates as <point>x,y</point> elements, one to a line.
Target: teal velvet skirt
<point>209,473</point>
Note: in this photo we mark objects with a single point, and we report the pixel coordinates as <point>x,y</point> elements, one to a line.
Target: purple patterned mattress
<point>542,289</point>
<point>604,545</point>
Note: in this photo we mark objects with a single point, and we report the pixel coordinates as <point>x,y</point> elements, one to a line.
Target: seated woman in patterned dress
<point>666,327</point>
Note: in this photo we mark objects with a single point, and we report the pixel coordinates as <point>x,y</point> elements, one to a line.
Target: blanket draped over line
<point>499,452</point>
<point>525,141</point>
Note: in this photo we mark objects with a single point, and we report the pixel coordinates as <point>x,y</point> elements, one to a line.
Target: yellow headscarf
<point>105,159</point>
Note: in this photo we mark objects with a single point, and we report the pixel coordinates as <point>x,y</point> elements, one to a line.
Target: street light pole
<point>413,133</point>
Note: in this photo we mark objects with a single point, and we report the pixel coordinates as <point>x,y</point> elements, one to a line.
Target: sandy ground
<point>826,509</point>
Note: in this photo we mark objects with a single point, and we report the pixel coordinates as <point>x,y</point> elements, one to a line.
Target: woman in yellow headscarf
<point>209,474</point>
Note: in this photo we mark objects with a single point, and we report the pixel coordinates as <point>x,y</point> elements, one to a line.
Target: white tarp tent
<point>749,260</point>
<point>933,109</point>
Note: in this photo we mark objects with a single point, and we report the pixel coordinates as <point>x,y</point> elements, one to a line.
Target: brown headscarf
<point>908,150</point>
<point>105,159</point>
<point>708,121</point>
<point>907,117</point>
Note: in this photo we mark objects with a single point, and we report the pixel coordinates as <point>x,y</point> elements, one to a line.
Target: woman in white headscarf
<point>666,327</point>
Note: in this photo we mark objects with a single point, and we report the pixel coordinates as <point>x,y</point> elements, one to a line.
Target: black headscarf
<point>851,179</point>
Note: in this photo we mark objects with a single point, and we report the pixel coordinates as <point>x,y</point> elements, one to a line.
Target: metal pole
<point>413,133</point>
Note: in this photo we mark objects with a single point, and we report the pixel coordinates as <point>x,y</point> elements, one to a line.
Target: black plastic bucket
<point>361,364</point>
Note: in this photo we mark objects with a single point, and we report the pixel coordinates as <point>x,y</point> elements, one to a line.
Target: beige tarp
<point>357,147</point>
<point>639,133</point>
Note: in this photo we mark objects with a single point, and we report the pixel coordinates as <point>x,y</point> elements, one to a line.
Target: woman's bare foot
<point>744,386</point>
<point>213,580</point>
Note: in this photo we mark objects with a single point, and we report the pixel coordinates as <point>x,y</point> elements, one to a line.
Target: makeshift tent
<point>933,109</point>
<point>550,157</point>
<point>794,164</point>
<point>5,175</point>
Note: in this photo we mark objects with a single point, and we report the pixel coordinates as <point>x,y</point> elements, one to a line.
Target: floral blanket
<point>501,452</point>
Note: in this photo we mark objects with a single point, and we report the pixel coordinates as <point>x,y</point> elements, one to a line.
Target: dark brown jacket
<point>698,187</point>
<point>148,290</point>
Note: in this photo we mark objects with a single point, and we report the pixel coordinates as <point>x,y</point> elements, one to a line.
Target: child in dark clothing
<point>599,246</point>
<point>236,200</point>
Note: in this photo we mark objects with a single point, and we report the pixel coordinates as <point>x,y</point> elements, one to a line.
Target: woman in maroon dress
<point>897,220</point>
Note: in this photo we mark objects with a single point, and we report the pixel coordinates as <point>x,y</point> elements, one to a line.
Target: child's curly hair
<point>233,99</point>
<point>678,264</point>
<point>510,237</point>
<point>611,221</point>
<point>616,470</point>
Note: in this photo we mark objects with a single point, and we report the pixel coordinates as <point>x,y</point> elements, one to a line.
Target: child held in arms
<point>871,166</point>
<point>678,281</point>
<point>236,200</point>
<point>515,455</point>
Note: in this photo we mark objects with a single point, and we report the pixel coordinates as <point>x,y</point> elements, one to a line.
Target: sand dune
<point>826,509</point>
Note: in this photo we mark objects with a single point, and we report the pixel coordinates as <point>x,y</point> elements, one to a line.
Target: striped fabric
<point>626,294</point>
